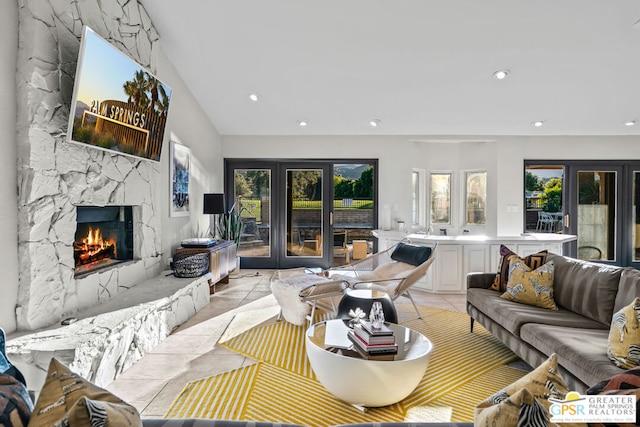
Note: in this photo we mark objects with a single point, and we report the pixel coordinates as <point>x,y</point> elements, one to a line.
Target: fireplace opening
<point>104,237</point>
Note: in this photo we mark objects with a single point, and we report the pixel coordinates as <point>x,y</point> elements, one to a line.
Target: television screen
<point>117,105</point>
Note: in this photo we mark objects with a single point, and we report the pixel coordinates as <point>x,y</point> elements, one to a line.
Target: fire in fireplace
<point>104,237</point>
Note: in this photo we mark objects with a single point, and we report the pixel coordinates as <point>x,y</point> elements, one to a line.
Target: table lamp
<point>214,205</point>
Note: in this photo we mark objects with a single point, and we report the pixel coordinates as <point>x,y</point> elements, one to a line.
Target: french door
<point>288,210</point>
<point>600,204</point>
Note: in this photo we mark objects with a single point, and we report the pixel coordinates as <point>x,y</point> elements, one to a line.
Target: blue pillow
<point>411,254</point>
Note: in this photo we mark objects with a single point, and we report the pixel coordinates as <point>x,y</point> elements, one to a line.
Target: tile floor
<point>190,352</point>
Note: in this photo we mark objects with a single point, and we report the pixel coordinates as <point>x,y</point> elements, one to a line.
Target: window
<point>418,213</point>
<point>475,198</point>
<point>440,193</point>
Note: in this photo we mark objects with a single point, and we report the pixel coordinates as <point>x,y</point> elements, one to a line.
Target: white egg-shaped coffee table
<point>365,382</point>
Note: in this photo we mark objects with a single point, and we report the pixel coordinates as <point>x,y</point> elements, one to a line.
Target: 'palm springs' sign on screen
<point>117,105</point>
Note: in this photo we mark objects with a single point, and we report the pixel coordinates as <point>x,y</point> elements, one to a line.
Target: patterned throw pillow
<point>532,261</point>
<point>532,287</point>
<point>519,409</point>
<point>626,383</point>
<point>526,400</point>
<point>624,336</point>
<point>67,399</point>
<point>15,403</point>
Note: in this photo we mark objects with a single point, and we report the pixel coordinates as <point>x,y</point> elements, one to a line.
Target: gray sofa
<point>586,293</point>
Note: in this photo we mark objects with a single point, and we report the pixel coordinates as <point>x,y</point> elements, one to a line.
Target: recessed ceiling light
<point>375,122</point>
<point>630,122</point>
<point>501,74</point>
<point>302,123</point>
<point>538,123</point>
<point>254,97</point>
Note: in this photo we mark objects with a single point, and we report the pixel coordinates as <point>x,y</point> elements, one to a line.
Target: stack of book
<point>374,343</point>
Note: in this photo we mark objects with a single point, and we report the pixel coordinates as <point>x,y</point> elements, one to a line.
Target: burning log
<point>93,248</point>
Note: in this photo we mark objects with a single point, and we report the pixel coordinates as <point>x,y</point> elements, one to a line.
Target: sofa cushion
<point>628,289</point>
<point>583,352</point>
<point>585,287</point>
<point>626,383</point>
<point>527,286</point>
<point>15,403</point>
<point>533,261</point>
<point>624,336</point>
<point>629,379</point>
<point>510,410</point>
<point>68,399</point>
<point>512,315</point>
<point>504,408</point>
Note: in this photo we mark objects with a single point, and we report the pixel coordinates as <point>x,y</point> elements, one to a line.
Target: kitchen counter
<point>471,238</point>
<point>459,255</point>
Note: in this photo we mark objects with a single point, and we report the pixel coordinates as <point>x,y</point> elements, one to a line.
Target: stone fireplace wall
<point>55,176</point>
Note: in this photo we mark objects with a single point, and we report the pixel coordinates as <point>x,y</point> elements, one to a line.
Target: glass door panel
<point>353,211</point>
<point>304,213</point>
<point>597,210</point>
<point>252,192</point>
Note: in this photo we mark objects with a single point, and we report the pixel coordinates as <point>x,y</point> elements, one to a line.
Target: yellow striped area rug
<point>464,368</point>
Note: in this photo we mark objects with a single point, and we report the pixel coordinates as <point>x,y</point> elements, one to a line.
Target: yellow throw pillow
<point>533,287</point>
<point>502,278</point>
<point>539,385</point>
<point>624,336</point>
<point>68,399</point>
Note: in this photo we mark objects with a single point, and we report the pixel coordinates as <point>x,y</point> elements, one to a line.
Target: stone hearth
<point>110,337</point>
<point>56,176</point>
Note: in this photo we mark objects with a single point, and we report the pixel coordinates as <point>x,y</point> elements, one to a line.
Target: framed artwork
<point>179,171</point>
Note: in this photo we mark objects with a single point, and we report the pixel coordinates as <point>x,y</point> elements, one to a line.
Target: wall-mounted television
<point>117,104</point>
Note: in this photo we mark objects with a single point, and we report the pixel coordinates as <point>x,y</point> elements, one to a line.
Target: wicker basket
<point>191,265</point>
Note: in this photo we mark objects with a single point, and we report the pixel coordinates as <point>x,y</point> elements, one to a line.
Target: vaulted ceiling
<point>420,67</point>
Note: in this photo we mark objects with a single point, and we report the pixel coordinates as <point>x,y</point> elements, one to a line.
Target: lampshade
<point>213,203</point>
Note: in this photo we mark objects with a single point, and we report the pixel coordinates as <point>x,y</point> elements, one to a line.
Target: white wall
<point>188,125</point>
<point>8,170</point>
<point>502,158</point>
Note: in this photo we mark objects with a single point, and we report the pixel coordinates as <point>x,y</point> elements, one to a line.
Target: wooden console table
<point>222,261</point>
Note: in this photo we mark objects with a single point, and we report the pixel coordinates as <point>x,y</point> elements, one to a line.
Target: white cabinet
<point>447,269</point>
<point>476,258</point>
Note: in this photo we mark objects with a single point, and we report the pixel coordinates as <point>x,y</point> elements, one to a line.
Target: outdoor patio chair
<point>340,246</point>
<point>546,222</point>
<point>249,231</point>
<point>392,271</point>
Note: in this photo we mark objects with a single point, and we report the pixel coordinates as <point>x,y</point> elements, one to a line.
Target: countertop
<point>477,238</point>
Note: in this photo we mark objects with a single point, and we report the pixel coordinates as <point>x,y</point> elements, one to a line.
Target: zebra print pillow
<point>67,399</point>
<point>526,401</point>
<point>532,287</point>
<point>532,261</point>
<point>624,336</point>
<point>520,409</point>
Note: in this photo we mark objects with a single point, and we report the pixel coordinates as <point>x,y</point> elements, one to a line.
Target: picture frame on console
<point>179,173</point>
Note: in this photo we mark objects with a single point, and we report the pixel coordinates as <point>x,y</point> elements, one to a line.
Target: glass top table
<point>366,382</point>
